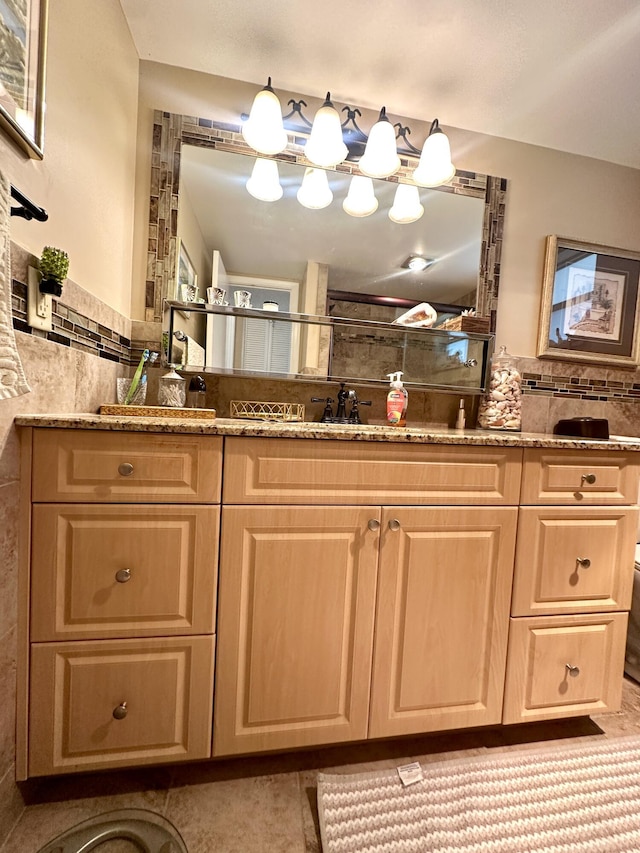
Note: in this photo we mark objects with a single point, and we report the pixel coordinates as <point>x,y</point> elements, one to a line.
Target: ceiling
<point>563,74</point>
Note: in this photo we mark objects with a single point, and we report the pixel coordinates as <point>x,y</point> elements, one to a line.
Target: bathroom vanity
<point>191,590</point>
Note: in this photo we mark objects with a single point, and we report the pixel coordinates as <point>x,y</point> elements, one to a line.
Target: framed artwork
<point>589,308</point>
<point>23,37</point>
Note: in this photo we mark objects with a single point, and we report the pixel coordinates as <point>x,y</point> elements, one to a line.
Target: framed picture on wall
<point>590,298</point>
<point>23,38</point>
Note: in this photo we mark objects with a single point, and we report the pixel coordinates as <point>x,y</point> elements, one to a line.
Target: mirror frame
<point>171,131</point>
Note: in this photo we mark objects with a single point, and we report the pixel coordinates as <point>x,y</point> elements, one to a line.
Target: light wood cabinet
<point>442,619</point>
<point>121,563</point>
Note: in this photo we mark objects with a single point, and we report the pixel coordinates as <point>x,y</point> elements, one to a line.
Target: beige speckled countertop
<point>365,432</point>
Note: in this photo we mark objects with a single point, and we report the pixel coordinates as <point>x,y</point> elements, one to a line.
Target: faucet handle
<point>327,415</point>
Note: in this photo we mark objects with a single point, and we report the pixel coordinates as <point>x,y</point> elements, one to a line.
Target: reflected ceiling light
<point>435,166</point>
<point>361,199</point>
<point>380,158</point>
<point>264,129</point>
<point>314,191</point>
<point>417,263</point>
<point>264,183</point>
<point>325,146</point>
<point>406,205</point>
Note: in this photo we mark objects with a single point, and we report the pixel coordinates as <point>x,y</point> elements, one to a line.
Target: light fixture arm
<point>403,133</point>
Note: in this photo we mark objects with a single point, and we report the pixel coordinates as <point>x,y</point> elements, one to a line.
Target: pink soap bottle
<point>397,400</point>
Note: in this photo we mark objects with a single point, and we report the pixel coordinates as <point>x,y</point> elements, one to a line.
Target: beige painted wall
<point>86,180</point>
<point>550,192</point>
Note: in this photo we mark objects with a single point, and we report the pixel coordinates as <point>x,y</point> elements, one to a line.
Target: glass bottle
<point>172,390</point>
<point>501,407</point>
<point>197,393</point>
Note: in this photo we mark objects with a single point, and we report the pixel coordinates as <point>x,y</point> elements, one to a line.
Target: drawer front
<point>77,720</point>
<point>579,477</point>
<point>572,560</point>
<point>111,571</point>
<point>120,467</point>
<point>564,666</point>
<point>294,471</point>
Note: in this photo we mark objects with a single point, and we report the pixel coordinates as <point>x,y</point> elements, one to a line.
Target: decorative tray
<point>258,410</point>
<point>156,412</point>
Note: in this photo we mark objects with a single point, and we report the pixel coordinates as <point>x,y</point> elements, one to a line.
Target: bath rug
<point>582,798</point>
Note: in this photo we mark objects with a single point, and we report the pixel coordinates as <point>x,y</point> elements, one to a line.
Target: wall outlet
<point>39,309</point>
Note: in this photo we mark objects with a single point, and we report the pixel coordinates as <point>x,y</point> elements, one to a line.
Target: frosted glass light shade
<point>361,199</point>
<point>264,183</point>
<point>435,166</point>
<point>314,191</point>
<point>406,205</point>
<point>380,158</point>
<point>264,130</point>
<point>325,146</point>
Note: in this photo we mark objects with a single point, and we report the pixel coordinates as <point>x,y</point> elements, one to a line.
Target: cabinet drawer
<point>564,666</point>
<point>119,467</point>
<point>294,471</point>
<point>579,477</point>
<point>574,560</point>
<point>77,690</point>
<point>115,571</point>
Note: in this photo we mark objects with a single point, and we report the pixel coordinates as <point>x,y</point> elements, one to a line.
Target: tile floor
<point>267,804</point>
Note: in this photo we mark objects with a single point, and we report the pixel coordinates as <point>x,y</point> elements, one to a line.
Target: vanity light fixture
<point>361,200</point>
<point>264,129</point>
<point>325,146</point>
<point>314,191</point>
<point>330,141</point>
<point>435,166</point>
<point>406,206</point>
<point>380,158</point>
<point>264,183</point>
<point>417,263</point>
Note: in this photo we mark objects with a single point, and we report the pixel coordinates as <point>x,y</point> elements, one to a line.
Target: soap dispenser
<point>397,400</point>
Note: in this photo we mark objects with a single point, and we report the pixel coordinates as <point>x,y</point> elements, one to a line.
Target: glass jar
<point>197,393</point>
<point>172,390</point>
<point>501,407</point>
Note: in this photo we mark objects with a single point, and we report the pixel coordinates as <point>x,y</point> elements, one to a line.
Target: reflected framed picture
<point>23,39</point>
<point>590,298</point>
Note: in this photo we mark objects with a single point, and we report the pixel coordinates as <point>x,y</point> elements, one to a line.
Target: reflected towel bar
<point>27,209</point>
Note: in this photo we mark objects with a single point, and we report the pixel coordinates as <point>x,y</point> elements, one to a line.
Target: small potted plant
<point>54,266</point>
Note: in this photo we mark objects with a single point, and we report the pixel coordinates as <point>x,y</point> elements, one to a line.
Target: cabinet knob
<point>120,712</point>
<point>394,524</point>
<point>573,671</point>
<point>123,575</point>
<point>585,562</point>
<point>589,479</point>
<point>125,469</point>
<point>373,524</point>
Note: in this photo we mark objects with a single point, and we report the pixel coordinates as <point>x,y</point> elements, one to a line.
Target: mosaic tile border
<point>581,387</point>
<point>72,329</point>
<point>171,130</point>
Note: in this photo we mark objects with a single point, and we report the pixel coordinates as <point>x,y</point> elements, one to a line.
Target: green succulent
<point>54,263</point>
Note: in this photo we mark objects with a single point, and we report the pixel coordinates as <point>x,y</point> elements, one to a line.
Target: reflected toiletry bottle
<point>397,400</point>
<point>197,393</point>
<point>461,419</point>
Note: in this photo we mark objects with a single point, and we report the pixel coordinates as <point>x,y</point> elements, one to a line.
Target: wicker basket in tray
<point>261,411</point>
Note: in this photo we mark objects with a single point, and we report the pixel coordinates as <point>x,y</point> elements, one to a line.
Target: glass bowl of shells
<point>501,406</point>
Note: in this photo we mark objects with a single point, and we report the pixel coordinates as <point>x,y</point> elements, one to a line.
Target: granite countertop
<point>364,432</point>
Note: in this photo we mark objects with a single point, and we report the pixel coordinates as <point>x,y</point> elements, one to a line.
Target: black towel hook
<point>27,209</point>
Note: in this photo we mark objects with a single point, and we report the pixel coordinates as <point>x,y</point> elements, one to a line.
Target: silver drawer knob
<point>123,575</point>
<point>585,562</point>
<point>394,524</point>
<point>120,712</point>
<point>588,478</point>
<point>373,524</point>
<point>125,469</point>
<point>573,671</point>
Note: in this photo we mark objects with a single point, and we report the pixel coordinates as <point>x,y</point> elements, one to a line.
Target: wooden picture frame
<point>23,34</point>
<point>590,299</point>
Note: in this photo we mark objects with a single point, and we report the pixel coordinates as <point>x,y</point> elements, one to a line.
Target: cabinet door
<point>297,598</point>
<point>564,666</point>
<point>442,619</point>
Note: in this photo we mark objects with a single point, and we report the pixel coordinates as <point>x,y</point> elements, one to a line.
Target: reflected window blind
<point>266,345</point>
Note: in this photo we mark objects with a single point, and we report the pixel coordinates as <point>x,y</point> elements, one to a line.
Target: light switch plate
<point>39,309</point>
